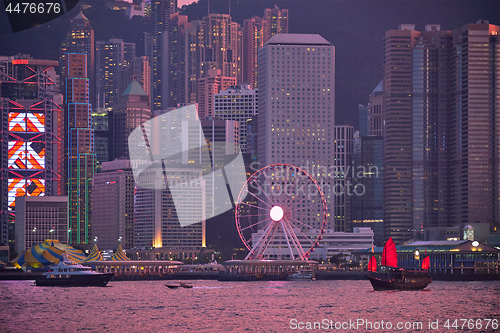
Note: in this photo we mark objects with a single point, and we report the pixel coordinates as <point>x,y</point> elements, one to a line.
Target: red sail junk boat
<point>390,277</point>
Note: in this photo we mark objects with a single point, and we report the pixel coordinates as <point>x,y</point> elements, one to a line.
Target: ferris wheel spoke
<point>262,191</point>
<point>256,197</point>
<point>241,215</point>
<point>263,208</point>
<point>295,210</point>
<point>252,225</point>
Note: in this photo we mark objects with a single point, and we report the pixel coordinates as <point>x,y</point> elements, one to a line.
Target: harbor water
<point>260,306</point>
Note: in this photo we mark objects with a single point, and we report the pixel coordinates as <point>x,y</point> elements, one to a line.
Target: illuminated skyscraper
<point>475,124</point>
<point>442,91</point>
<point>80,148</point>
<point>208,86</point>
<point>240,104</point>
<point>297,107</point>
<point>131,111</point>
<point>80,39</point>
<point>256,32</point>
<point>111,56</point>
<point>161,11</point>
<point>31,132</point>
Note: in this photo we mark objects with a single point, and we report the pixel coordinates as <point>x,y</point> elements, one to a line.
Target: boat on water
<point>391,277</point>
<point>304,274</point>
<point>70,274</point>
<point>181,285</point>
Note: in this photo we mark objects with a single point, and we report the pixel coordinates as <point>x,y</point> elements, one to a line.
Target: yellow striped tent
<point>38,256</point>
<point>94,255</point>
<point>48,253</point>
<point>119,255</point>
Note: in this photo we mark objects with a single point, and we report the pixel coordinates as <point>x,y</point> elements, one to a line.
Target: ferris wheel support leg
<point>301,251</point>
<point>265,235</point>
<point>287,241</point>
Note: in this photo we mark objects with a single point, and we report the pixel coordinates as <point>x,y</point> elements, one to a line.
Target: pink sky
<point>181,3</point>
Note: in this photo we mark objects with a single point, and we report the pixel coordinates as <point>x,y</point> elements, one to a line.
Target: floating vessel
<point>390,277</point>
<point>68,274</point>
<point>181,285</point>
<point>304,274</point>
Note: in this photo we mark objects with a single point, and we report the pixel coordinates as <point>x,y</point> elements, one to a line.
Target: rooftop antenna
<point>229,8</point>
<point>208,7</point>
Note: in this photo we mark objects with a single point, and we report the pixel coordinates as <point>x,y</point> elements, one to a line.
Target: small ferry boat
<point>69,274</point>
<point>390,277</point>
<point>304,274</point>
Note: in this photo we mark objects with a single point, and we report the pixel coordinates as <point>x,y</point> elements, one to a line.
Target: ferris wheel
<point>281,213</point>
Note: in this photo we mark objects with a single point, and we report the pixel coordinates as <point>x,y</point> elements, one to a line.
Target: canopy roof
<point>48,253</point>
<point>119,255</point>
<point>94,255</point>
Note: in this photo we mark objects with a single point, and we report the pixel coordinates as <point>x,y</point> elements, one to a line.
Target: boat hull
<point>91,280</point>
<point>406,283</point>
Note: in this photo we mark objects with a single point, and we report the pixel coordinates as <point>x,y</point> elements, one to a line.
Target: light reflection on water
<point>146,306</point>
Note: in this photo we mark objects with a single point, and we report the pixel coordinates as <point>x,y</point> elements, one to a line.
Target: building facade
<point>79,141</point>
<point>39,219</point>
<point>343,188</point>
<point>208,86</point>
<point>111,57</point>
<point>113,205</point>
<point>31,129</point>
<point>297,106</point>
<point>239,104</point>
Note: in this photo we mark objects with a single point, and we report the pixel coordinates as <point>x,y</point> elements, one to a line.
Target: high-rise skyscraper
<point>343,189</point>
<point>475,124</point>
<point>239,104</point>
<point>297,106</point>
<point>256,32</point>
<point>208,86</point>
<point>111,57</point>
<point>80,39</point>
<point>375,104</point>
<point>79,141</point>
<point>113,205</point>
<point>438,86</point>
<point>130,111</point>
<point>31,132</point>
<point>161,11</point>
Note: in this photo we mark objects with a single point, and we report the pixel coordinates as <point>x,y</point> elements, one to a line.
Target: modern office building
<point>443,92</point>
<point>31,133</point>
<point>208,86</point>
<point>256,32</point>
<point>79,141</point>
<point>475,124</point>
<point>113,205</point>
<point>39,219</point>
<point>367,203</point>
<point>297,106</point>
<point>157,207</point>
<point>161,11</point>
<point>375,104</point>
<point>344,189</point>
<point>80,39</point>
<point>110,57</point>
<point>238,103</point>
<point>209,144</point>
<point>100,125</point>
<point>129,112</point>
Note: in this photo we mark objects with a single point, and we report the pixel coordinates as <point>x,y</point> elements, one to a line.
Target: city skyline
<point>227,59</point>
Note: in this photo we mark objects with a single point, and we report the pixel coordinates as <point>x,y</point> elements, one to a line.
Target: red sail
<point>426,263</point>
<point>389,254</point>
<point>372,265</point>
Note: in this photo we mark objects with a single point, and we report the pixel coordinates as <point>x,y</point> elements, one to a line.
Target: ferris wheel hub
<point>276,213</point>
